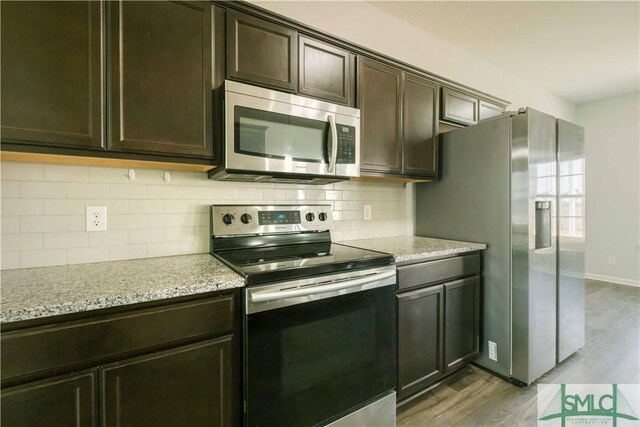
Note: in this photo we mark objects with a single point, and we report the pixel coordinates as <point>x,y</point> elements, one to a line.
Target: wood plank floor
<point>611,355</point>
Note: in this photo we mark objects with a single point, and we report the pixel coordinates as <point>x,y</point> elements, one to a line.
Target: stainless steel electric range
<point>319,318</point>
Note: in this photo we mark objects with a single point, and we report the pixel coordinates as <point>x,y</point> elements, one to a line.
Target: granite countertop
<point>49,291</point>
<point>415,248</point>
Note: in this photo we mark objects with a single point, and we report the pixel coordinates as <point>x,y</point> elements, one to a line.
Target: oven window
<point>311,362</point>
<point>281,136</point>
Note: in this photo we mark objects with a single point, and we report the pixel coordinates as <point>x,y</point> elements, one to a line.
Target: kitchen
<point>111,326</point>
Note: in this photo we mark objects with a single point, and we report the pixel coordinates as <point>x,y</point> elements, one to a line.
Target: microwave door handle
<point>334,144</point>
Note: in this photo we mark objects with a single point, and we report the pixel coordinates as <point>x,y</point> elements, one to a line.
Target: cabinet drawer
<point>437,271</point>
<point>88,342</point>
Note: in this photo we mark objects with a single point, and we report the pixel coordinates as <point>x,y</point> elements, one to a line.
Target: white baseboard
<point>618,280</point>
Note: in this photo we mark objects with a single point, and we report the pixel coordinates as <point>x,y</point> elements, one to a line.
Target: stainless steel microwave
<point>272,136</point>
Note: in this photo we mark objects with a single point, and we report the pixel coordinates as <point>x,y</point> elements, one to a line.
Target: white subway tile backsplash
<point>163,249</point>
<point>21,242</point>
<point>63,173</point>
<point>108,238</point>
<point>10,189</point>
<point>22,207</point>
<point>43,258</point>
<point>117,253</point>
<point>9,260</point>
<point>83,190</point>
<point>147,235</point>
<point>127,191</point>
<point>85,255</point>
<point>75,239</point>
<point>43,190</point>
<point>21,171</point>
<point>65,206</point>
<point>150,217</point>
<point>10,224</point>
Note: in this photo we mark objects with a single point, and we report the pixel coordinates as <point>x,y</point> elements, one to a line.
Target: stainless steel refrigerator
<point>516,183</point>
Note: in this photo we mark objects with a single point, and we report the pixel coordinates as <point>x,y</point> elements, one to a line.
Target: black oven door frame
<point>311,358</point>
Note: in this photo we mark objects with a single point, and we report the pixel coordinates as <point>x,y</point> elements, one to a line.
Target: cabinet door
<point>51,73</point>
<point>161,77</point>
<point>326,72</point>
<point>187,386</point>
<point>420,340</point>
<point>379,97</point>
<point>459,107</point>
<point>67,401</point>
<point>420,121</point>
<point>487,109</point>
<point>261,52</point>
<point>462,322</point>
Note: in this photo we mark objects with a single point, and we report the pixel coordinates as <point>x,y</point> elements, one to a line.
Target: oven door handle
<point>312,290</point>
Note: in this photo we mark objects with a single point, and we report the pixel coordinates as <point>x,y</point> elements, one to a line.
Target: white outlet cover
<point>96,218</point>
<point>493,351</point>
<point>367,212</point>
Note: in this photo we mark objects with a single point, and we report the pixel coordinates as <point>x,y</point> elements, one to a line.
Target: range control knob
<point>228,219</point>
<point>245,218</point>
<point>322,216</point>
<point>310,217</point>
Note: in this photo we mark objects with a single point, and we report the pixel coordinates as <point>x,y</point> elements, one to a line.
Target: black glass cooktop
<point>280,263</point>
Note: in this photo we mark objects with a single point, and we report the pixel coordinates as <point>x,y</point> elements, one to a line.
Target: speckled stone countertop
<point>415,248</point>
<point>49,291</point>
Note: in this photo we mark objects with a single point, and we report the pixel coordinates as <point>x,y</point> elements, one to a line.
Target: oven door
<point>323,356</point>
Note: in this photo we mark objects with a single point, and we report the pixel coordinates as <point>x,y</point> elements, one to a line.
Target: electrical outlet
<point>493,351</point>
<point>96,218</point>
<point>367,212</point>
<point>612,260</point>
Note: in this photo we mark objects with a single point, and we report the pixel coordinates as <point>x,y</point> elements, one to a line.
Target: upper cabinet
<point>399,119</point>
<point>420,121</point>
<point>380,103</point>
<point>261,52</point>
<point>488,109</point>
<point>325,71</point>
<point>52,73</point>
<point>161,77</point>
<point>465,109</point>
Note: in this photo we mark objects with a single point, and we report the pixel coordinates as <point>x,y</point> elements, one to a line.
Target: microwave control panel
<point>346,144</point>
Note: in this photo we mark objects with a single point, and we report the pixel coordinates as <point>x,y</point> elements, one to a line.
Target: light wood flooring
<point>611,355</point>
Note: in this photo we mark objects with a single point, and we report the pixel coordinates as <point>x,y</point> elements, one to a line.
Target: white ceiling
<point>581,51</point>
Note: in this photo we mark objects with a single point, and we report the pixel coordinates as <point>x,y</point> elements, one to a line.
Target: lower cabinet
<point>171,365</point>
<point>62,401</point>
<point>438,322</point>
<point>420,339</point>
<point>189,386</point>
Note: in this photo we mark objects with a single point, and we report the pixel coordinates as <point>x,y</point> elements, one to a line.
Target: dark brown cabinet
<point>190,385</point>
<point>488,109</point>
<point>458,107</point>
<point>420,121</point>
<point>52,73</point>
<point>262,52</point>
<point>438,320</point>
<point>325,71</point>
<point>161,81</point>
<point>57,402</point>
<point>462,324</point>
<point>420,339</point>
<point>380,103</point>
<point>165,365</point>
<point>399,121</point>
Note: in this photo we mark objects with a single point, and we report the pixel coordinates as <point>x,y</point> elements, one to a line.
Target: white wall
<point>43,211</point>
<point>612,134</point>
<point>368,26</point>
